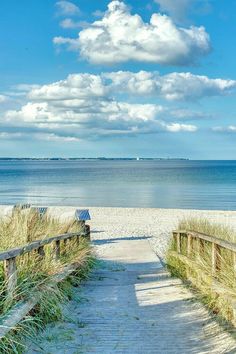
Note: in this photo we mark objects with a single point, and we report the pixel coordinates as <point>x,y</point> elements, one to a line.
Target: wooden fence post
<point>41,252</point>
<point>87,231</point>
<point>198,248</point>
<point>189,245</point>
<point>10,272</point>
<point>65,243</point>
<point>56,250</point>
<point>215,259</point>
<point>178,241</point>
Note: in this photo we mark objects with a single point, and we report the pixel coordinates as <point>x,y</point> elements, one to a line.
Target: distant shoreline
<point>91,158</point>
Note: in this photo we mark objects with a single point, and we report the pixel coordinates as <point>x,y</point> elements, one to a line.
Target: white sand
<point>129,222</point>
<point>154,223</point>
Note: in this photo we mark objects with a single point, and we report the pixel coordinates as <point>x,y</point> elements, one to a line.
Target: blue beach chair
<point>40,210</point>
<point>81,216</point>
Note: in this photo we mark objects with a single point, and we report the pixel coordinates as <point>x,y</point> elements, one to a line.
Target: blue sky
<point>112,78</point>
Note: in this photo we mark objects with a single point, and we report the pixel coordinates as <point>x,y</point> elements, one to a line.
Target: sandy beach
<point>156,224</point>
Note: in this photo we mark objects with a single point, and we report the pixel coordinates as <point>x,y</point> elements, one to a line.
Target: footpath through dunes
<point>131,305</point>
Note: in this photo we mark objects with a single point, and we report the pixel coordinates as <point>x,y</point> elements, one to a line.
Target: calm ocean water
<point>161,184</point>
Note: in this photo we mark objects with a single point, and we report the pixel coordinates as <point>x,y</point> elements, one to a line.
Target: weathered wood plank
<point>189,245</point>
<point>14,252</point>
<point>41,252</point>
<point>56,250</point>
<point>225,244</point>
<point>10,273</point>
<point>215,259</point>
<point>178,242</point>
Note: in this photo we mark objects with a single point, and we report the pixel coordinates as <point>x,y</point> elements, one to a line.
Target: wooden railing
<point>17,313</point>
<point>191,248</point>
<point>201,239</point>
<point>9,256</point>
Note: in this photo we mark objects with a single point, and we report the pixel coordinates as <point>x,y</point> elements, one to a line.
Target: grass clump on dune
<point>35,274</point>
<point>209,228</point>
<point>217,291</point>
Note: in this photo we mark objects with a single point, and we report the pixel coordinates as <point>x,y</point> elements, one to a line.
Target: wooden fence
<point>216,245</point>
<point>10,271</point>
<point>190,247</point>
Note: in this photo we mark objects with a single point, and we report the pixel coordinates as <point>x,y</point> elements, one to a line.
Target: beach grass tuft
<point>196,271</point>
<point>35,274</point>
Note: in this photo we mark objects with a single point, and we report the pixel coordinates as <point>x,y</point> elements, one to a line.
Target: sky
<point>154,78</point>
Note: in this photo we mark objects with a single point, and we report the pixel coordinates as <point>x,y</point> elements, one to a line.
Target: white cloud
<point>68,23</point>
<point>87,105</point>
<point>74,87</point>
<point>179,9</point>
<point>98,13</point>
<point>188,114</point>
<point>174,86</point>
<point>3,98</point>
<point>83,106</point>
<point>25,87</point>
<point>67,8</point>
<point>10,135</point>
<point>55,137</point>
<point>119,37</point>
<point>227,129</point>
<point>177,127</point>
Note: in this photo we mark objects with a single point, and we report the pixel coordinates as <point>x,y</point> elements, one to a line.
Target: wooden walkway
<point>132,306</point>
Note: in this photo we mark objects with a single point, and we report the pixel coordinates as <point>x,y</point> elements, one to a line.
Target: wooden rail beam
<point>14,252</point>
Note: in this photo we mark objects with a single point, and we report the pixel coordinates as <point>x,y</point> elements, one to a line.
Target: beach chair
<point>20,207</point>
<point>81,216</point>
<point>40,210</point>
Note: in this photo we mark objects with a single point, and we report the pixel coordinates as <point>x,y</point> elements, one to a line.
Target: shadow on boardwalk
<point>131,305</point>
<point>117,239</point>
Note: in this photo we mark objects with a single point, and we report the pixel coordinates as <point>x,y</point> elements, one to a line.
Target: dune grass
<point>209,228</point>
<point>198,271</point>
<point>23,227</point>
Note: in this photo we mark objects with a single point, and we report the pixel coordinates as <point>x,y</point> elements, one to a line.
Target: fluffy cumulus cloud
<point>120,37</point>
<point>174,86</point>
<point>87,106</point>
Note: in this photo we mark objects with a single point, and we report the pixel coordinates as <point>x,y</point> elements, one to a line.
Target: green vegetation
<point>218,291</point>
<point>35,274</point>
<point>209,228</point>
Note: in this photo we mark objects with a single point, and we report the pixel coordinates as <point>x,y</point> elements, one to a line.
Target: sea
<point>120,183</point>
